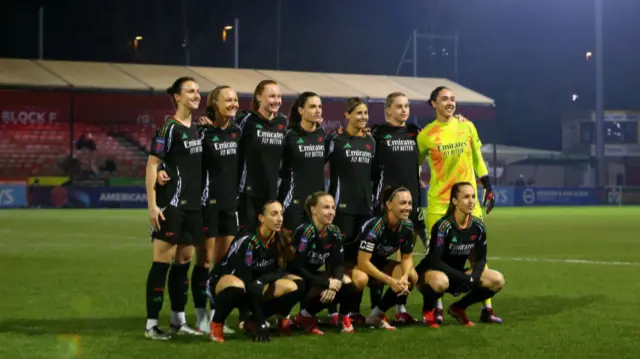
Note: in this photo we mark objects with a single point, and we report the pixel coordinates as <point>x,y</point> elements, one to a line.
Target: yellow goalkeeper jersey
<point>453,151</point>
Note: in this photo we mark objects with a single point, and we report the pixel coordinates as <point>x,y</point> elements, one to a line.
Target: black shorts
<point>456,286</point>
<point>294,216</point>
<point>180,227</point>
<point>216,222</point>
<point>248,208</point>
<point>417,218</point>
<point>350,226</point>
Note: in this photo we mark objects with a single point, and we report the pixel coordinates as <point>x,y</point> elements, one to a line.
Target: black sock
<point>357,301</point>
<point>289,300</point>
<point>402,300</point>
<point>179,286</point>
<point>199,278</point>
<point>313,305</point>
<point>388,300</point>
<point>333,307</point>
<point>475,296</point>
<point>375,294</point>
<point>347,297</point>
<point>226,300</point>
<point>304,297</point>
<point>156,281</point>
<point>429,298</point>
<point>285,303</point>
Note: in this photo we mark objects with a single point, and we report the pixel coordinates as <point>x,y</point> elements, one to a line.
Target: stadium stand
<point>33,149</point>
<point>119,106</point>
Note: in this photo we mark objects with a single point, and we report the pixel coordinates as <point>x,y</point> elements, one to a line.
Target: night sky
<point>527,55</point>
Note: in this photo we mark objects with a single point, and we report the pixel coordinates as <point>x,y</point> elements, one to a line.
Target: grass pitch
<point>72,286</point>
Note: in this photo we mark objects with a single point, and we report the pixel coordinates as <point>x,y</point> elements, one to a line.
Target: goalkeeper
<point>453,149</point>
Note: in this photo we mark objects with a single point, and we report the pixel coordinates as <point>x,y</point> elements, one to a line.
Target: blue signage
<point>119,197</point>
<point>549,196</point>
<point>13,195</point>
<point>87,197</point>
<point>503,196</point>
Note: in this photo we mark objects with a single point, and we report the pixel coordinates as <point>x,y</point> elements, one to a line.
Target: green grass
<point>72,286</point>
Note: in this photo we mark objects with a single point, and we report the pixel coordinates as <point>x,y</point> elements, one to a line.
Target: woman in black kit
<point>380,237</point>
<point>395,164</point>
<point>174,209</point>
<point>302,170</point>
<point>350,153</point>
<point>454,238</point>
<point>318,243</point>
<point>260,151</point>
<point>252,278</point>
<point>219,193</point>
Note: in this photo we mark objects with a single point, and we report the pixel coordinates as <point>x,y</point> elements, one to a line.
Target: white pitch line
<point>570,261</point>
<point>555,260</point>
<point>139,241</point>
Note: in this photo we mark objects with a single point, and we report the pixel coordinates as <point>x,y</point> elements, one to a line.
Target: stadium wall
<point>18,194</point>
<point>47,106</point>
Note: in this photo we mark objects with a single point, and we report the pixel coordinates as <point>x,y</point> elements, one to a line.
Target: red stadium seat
<point>40,149</point>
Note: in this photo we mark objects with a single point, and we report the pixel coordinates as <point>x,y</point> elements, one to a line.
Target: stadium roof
<point>139,77</point>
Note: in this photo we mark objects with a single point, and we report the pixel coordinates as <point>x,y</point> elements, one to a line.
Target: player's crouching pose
<point>319,243</point>
<point>381,237</point>
<point>453,239</point>
<point>251,278</point>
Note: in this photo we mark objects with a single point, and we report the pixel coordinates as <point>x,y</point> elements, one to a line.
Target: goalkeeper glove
<point>489,197</point>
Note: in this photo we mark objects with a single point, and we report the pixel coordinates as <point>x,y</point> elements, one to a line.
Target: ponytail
<point>455,189</point>
<point>294,116</point>
<point>255,104</point>
<point>433,98</point>
<point>284,247</point>
<point>312,201</point>
<point>176,88</point>
<point>284,241</point>
<point>389,193</point>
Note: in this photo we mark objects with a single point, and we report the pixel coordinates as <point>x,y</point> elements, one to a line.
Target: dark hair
<point>284,246</point>
<point>255,105</point>
<point>212,98</point>
<point>176,88</point>
<point>294,116</point>
<point>454,194</point>
<point>434,95</point>
<point>312,201</point>
<point>389,192</point>
<point>352,103</point>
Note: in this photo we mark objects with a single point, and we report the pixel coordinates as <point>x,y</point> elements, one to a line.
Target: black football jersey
<point>381,239</point>
<point>251,258</point>
<point>180,149</point>
<point>451,246</point>
<point>350,164</point>
<point>316,249</point>
<point>260,154</point>
<point>302,170</point>
<point>396,160</point>
<point>220,163</point>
